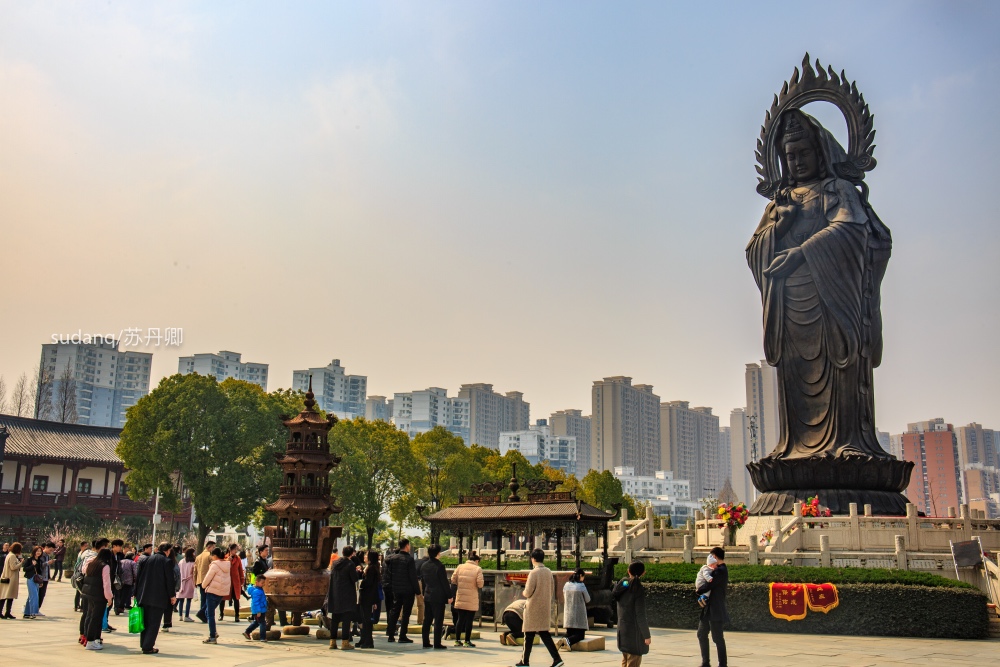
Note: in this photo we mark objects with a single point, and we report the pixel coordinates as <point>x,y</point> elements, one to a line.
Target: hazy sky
<point>533,194</point>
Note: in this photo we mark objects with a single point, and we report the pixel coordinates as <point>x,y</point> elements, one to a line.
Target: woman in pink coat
<point>216,586</point>
<point>186,592</point>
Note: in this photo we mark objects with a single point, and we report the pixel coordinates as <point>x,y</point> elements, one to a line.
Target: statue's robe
<point>822,325</point>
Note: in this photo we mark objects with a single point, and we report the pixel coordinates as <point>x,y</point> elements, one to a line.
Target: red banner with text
<point>791,602</point>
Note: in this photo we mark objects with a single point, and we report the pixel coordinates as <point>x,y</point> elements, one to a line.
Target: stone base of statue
<point>837,480</point>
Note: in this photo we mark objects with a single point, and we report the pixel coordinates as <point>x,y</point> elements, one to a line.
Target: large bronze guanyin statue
<point>818,256</point>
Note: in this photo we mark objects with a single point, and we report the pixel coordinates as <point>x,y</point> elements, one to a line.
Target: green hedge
<point>865,609</point>
<point>685,573</point>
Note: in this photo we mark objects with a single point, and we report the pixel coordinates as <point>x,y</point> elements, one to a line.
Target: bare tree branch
<point>42,396</point>
<point>21,402</point>
<point>66,397</point>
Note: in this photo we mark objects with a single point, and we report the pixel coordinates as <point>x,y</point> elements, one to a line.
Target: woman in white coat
<point>575,599</point>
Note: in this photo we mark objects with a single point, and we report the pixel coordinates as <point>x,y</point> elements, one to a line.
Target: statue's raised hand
<point>783,214</point>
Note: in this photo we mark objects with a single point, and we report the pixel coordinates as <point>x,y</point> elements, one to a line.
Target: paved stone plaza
<point>53,640</point>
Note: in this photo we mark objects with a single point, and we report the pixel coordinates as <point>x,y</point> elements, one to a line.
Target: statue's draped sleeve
<point>760,253</point>
<point>835,257</point>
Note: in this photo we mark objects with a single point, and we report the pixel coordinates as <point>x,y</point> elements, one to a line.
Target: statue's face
<point>803,160</point>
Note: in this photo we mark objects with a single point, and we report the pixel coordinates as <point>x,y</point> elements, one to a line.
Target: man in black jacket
<point>402,576</point>
<point>714,615</point>
<point>437,595</point>
<point>155,591</point>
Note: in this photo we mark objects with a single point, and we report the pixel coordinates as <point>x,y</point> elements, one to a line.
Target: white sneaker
<point>95,645</point>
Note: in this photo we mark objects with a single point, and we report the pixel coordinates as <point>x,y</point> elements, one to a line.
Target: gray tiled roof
<point>37,438</point>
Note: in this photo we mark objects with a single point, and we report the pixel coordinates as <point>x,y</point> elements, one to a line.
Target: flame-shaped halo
<point>812,86</point>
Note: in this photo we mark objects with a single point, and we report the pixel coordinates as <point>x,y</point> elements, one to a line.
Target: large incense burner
<point>302,540</point>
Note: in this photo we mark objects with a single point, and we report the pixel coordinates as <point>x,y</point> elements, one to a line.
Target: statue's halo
<point>815,85</point>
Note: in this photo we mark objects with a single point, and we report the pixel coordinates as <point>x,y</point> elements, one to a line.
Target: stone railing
<point>858,532</point>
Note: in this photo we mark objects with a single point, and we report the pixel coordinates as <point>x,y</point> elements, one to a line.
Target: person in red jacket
<point>238,577</point>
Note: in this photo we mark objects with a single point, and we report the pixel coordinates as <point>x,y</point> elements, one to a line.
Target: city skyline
<point>516,158</point>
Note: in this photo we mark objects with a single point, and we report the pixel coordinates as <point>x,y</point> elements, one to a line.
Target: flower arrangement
<point>734,515</point>
<point>765,539</point>
<point>812,508</point>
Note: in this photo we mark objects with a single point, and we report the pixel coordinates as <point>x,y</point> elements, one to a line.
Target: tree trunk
<point>203,530</point>
<point>371,532</point>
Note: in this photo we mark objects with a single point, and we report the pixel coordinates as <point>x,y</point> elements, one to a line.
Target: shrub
<point>872,609</point>
<point>685,573</point>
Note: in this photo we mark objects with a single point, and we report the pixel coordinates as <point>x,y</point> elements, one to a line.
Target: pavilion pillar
<point>499,540</point>
<point>604,548</point>
<point>579,550</point>
<point>558,548</point>
<point>62,485</point>
<point>460,545</point>
<point>26,491</point>
<point>115,495</point>
<point>470,540</point>
<point>72,485</point>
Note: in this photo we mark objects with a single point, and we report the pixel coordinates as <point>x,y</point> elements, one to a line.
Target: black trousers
<point>464,624</point>
<point>42,587</point>
<point>529,640</point>
<point>400,612</point>
<point>57,570</point>
<point>715,627</point>
<point>151,619</point>
<point>433,612</point>
<point>343,621</point>
<point>168,617</point>
<point>93,617</point>
<point>575,635</point>
<point>123,598</point>
<point>514,622</point>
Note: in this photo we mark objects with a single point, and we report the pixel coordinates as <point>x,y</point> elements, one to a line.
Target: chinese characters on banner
<point>791,602</point>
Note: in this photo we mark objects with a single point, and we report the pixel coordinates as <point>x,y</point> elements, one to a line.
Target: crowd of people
<point>109,575</point>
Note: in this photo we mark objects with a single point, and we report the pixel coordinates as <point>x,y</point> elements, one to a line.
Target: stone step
<point>590,644</point>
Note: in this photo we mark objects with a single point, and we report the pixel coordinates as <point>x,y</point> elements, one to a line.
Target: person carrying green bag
<point>154,593</point>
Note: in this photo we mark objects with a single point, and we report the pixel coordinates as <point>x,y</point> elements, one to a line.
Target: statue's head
<point>802,158</point>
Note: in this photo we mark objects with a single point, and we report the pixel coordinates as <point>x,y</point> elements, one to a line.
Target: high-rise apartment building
<point>378,409</point>
<point>539,444</point>
<point>763,403</point>
<point>108,381</point>
<point>573,423</point>
<point>343,395</point>
<point>224,365</point>
<point>740,456</point>
<point>978,445</point>
<point>491,412</point>
<point>417,412</point>
<point>726,452</point>
<point>626,426</point>
<point>979,460</point>
<point>689,447</point>
<point>662,490</point>
<point>935,484</point>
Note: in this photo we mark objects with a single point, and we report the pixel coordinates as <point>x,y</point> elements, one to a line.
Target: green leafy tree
<point>218,440</point>
<point>602,489</point>
<point>445,467</point>
<point>377,461</point>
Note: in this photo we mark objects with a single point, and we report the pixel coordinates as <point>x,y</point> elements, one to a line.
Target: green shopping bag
<point>135,624</point>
